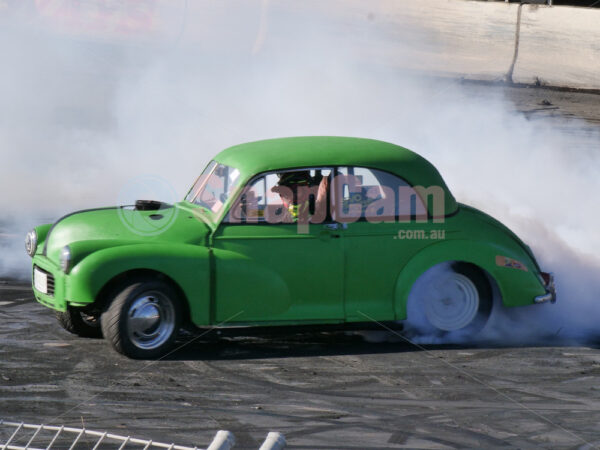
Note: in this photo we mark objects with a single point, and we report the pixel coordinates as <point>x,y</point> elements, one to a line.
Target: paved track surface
<point>321,390</point>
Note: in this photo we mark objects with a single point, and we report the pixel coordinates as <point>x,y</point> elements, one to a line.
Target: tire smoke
<point>83,114</point>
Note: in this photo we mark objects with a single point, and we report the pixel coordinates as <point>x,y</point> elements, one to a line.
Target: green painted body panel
<point>374,259</point>
<point>103,246</point>
<point>109,227</point>
<point>475,237</point>
<point>187,265</point>
<point>271,274</point>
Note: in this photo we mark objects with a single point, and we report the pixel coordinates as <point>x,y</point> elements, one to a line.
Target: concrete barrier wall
<point>557,45</point>
<point>453,37</point>
<point>560,46</point>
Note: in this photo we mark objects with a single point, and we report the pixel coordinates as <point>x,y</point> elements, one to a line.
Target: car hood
<point>124,225</point>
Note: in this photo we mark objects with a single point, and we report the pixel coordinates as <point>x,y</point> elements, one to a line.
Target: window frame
<point>413,217</point>
<point>235,203</point>
<point>332,194</point>
<point>223,210</point>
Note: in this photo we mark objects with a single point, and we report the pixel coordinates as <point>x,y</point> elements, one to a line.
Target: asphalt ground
<point>321,390</point>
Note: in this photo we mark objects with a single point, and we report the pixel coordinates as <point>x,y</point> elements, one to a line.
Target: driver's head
<point>288,183</point>
<point>292,179</point>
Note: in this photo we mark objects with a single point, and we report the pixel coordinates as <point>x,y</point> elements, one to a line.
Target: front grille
<point>51,285</point>
<point>50,281</point>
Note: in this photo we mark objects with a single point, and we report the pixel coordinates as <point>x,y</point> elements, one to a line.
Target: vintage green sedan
<point>325,231</point>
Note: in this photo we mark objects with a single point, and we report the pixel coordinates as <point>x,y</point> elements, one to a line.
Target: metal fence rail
<point>25,436</point>
<point>45,437</point>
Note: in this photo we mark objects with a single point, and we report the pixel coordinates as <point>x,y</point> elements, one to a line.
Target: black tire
<point>143,319</point>
<point>424,319</point>
<point>79,322</point>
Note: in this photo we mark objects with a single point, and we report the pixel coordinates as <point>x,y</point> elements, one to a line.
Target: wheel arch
<point>514,287</point>
<point>186,267</point>
<point>109,290</point>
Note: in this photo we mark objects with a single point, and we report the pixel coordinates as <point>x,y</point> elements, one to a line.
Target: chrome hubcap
<point>150,320</point>
<point>452,302</point>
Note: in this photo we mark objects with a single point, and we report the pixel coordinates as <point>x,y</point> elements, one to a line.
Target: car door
<point>374,206</point>
<point>270,270</point>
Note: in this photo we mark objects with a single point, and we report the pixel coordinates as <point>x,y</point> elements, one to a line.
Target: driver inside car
<point>297,193</point>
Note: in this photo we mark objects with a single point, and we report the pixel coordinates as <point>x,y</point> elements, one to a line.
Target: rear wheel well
<point>464,266</point>
<point>108,291</point>
<point>450,296</point>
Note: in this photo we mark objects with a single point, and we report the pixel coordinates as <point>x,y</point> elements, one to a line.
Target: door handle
<point>336,226</point>
<point>329,231</point>
<point>329,228</point>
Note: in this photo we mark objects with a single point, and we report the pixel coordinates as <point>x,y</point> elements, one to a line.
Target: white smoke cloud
<point>82,115</point>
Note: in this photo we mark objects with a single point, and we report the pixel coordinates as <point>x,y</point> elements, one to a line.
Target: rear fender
<point>517,287</point>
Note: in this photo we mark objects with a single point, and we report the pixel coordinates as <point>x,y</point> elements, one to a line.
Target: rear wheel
<point>143,319</point>
<point>80,322</point>
<point>450,297</point>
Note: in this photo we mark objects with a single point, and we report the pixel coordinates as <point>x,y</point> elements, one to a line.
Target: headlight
<point>65,259</point>
<point>31,243</point>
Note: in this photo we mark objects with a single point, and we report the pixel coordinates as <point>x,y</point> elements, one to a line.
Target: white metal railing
<point>27,436</point>
<point>32,437</point>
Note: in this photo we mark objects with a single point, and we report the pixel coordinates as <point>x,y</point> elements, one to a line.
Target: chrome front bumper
<point>550,295</point>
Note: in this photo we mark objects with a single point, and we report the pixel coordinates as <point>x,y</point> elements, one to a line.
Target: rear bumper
<point>550,295</point>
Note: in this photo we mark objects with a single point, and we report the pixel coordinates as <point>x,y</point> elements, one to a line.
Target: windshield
<point>214,186</point>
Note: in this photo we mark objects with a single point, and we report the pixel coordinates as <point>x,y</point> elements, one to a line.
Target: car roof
<point>322,151</point>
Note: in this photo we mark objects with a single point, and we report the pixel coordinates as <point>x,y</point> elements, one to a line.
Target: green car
<point>320,231</point>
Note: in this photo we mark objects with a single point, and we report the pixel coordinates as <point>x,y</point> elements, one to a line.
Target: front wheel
<point>143,319</point>
<point>450,297</point>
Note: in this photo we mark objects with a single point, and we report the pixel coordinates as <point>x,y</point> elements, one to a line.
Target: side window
<point>251,204</point>
<point>374,195</point>
<point>299,195</point>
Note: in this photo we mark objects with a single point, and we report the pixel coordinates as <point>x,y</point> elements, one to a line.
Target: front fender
<point>80,250</point>
<point>42,233</point>
<point>517,287</point>
<point>187,265</point>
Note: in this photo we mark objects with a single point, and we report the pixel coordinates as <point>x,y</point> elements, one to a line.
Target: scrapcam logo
<point>140,213</point>
<point>346,202</point>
